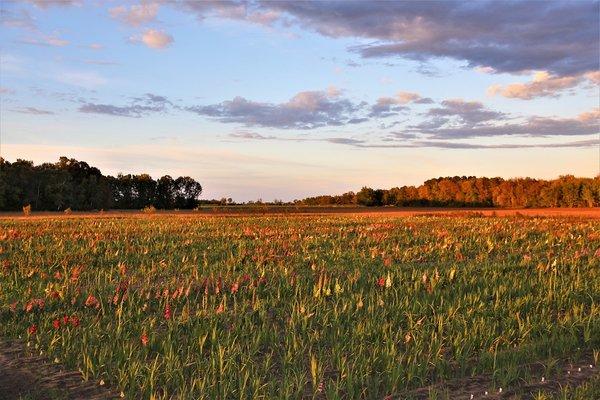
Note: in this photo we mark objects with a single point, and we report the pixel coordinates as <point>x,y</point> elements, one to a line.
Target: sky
<point>284,100</point>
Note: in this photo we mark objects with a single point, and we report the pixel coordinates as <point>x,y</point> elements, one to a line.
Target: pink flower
<point>234,288</point>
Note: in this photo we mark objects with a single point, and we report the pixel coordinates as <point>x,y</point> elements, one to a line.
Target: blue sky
<point>290,99</point>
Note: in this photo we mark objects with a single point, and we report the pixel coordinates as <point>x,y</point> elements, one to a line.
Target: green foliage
<point>72,184</point>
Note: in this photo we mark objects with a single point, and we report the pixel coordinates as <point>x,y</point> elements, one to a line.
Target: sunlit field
<point>301,306</point>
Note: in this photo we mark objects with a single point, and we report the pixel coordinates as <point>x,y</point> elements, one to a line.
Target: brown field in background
<point>308,210</point>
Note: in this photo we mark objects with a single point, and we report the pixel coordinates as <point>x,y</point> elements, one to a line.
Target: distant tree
<point>187,192</point>
<point>73,184</point>
<point>369,197</point>
<point>165,193</point>
<point>145,189</point>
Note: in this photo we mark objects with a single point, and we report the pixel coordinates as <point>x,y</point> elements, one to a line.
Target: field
<point>309,306</point>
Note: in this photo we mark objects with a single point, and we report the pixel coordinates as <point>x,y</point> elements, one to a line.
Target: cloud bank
<point>559,36</point>
<point>306,110</point>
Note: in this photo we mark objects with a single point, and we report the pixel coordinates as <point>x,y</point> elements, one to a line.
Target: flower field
<point>319,306</point>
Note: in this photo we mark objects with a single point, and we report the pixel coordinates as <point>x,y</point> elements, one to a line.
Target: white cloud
<point>154,39</point>
<point>47,40</point>
<point>485,70</point>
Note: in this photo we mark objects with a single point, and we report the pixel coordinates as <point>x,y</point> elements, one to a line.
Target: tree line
<point>470,191</point>
<point>73,184</point>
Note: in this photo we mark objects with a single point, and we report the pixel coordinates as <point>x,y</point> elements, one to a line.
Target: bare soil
<point>28,377</point>
<point>482,386</point>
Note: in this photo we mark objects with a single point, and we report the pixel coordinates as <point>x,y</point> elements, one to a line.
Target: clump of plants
<point>149,209</point>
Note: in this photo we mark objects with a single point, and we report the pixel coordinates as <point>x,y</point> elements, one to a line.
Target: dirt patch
<point>482,386</point>
<point>31,377</point>
<point>24,376</point>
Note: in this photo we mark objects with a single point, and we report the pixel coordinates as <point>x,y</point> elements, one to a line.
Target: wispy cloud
<point>17,19</point>
<point>470,146</point>
<point>33,111</point>
<point>100,62</point>
<point>250,135</point>
<point>140,106</point>
<point>136,14</point>
<point>46,40</point>
<point>587,123</point>
<point>468,112</point>
<point>410,140</point>
<point>349,141</point>
<point>86,79</point>
<point>54,3</point>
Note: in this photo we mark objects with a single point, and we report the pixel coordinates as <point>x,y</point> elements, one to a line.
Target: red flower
<point>74,321</point>
<point>56,324</point>
<point>381,282</point>
<point>65,320</point>
<point>234,288</point>
<point>32,330</point>
<point>33,304</point>
<point>167,312</point>
<point>91,301</point>
<point>144,339</point>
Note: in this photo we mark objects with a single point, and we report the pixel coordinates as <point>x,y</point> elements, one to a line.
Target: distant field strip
<point>305,306</point>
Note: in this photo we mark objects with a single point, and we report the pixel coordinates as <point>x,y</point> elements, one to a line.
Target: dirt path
<point>35,378</point>
<point>481,386</point>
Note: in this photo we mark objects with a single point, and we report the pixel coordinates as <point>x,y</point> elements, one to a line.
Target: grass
<point>300,306</point>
